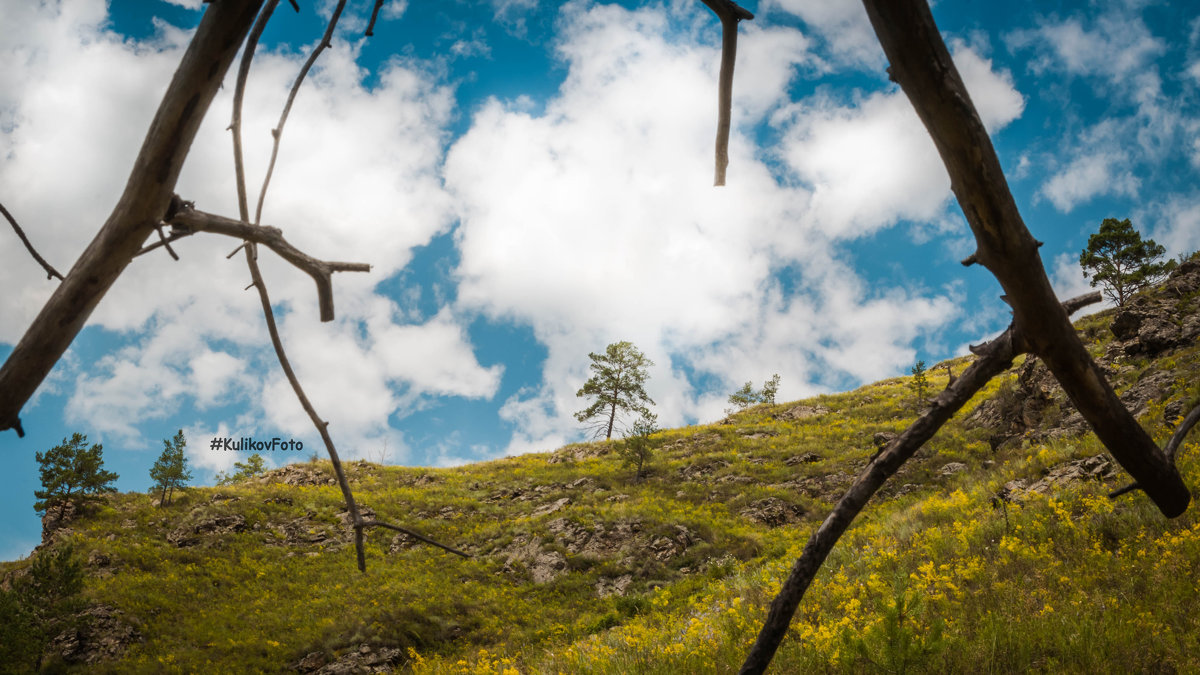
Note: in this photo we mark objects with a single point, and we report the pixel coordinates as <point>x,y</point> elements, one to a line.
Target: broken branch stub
<point>921,65</point>
<point>730,13</point>
<point>139,209</point>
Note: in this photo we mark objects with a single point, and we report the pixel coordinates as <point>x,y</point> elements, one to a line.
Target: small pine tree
<point>170,470</point>
<point>253,466</point>
<point>618,386</point>
<point>636,450</point>
<point>770,388</point>
<point>71,473</point>
<point>919,384</point>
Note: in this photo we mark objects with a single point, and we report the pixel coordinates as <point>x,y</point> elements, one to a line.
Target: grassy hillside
<point>995,549</point>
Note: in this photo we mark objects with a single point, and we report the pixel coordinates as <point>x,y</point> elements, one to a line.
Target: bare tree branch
<point>50,271</point>
<point>239,94</point>
<point>922,66</point>
<point>414,535</point>
<point>730,13</point>
<point>994,358</point>
<point>1170,449</point>
<point>374,15</point>
<point>188,220</point>
<point>139,209</point>
<point>277,132</point>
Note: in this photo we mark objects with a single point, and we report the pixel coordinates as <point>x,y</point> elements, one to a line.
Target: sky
<point>532,181</point>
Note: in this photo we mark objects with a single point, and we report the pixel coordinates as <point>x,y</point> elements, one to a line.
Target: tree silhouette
<point>72,473</point>
<point>1118,259</point>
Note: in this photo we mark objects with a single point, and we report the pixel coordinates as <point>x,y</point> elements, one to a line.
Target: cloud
<point>871,162</point>
<point>1088,176</point>
<point>843,26</point>
<point>595,221</point>
<point>1115,46</point>
<point>358,179</point>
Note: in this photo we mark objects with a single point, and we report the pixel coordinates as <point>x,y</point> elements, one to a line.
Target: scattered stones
<point>299,475</point>
<point>556,505</point>
<point>773,512</point>
<point>801,412</point>
<point>702,469</point>
<point>806,458</point>
<point>364,659</point>
<point>882,438</point>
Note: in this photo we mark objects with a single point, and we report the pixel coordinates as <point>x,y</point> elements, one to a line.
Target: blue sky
<point>532,181</point>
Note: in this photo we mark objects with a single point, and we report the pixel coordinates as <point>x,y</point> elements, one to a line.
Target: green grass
<point>940,579</point>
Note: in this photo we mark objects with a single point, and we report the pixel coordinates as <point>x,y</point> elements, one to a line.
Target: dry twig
<point>189,219</point>
<point>51,273</point>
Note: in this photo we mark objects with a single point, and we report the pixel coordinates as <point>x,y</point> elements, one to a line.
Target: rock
<point>100,635</point>
<point>363,659</point>
<point>56,521</point>
<point>207,528</point>
<point>801,412</point>
<point>773,512</point>
<point>1126,323</point>
<point>606,586</point>
<point>806,458</point>
<point>953,468</point>
<point>581,483</point>
<point>882,438</point>
<point>702,469</point>
<point>1097,467</point>
<point>98,560</point>
<point>557,505</point>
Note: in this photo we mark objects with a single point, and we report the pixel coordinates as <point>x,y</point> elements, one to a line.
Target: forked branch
<point>730,13</point>
<point>187,220</point>
<point>994,358</point>
<point>922,66</point>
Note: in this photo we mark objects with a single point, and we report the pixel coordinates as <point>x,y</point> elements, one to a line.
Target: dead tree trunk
<point>921,64</point>
<point>138,212</point>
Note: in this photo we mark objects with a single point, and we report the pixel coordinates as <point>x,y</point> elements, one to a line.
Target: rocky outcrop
<point>801,412</point>
<point>773,512</point>
<point>1152,323</point>
<point>207,528</point>
<point>99,634</point>
<point>298,475</point>
<point>364,659</point>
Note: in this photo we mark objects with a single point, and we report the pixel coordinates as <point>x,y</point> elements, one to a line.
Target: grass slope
<point>579,569</point>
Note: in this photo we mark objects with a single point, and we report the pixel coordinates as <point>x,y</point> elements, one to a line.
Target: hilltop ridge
<point>995,547</point>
